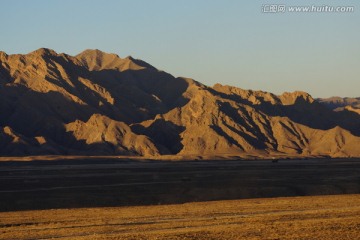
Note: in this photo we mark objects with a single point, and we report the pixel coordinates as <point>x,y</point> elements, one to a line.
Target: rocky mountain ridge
<point>342,104</point>
<point>97,103</point>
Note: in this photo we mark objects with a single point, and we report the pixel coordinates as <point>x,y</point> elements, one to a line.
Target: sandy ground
<point>319,217</point>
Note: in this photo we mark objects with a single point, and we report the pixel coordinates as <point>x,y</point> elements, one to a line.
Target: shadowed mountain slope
<point>339,104</point>
<point>100,104</point>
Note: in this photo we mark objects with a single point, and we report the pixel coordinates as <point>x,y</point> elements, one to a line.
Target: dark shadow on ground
<point>108,182</point>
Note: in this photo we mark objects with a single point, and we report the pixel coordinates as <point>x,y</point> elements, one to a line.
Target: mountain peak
<point>99,103</point>
<point>140,63</point>
<point>289,98</point>
<point>130,58</point>
<point>95,53</point>
<point>339,103</point>
<point>44,52</point>
<point>95,59</point>
<point>3,54</point>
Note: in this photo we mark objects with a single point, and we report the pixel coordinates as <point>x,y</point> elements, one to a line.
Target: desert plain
<point>316,217</point>
<point>158,199</point>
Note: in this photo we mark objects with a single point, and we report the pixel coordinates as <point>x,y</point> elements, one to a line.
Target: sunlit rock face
<point>97,103</point>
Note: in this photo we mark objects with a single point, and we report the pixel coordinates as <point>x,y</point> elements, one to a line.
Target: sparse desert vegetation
<point>315,217</point>
<point>140,199</point>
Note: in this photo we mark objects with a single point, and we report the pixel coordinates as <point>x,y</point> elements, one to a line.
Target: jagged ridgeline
<point>97,103</point>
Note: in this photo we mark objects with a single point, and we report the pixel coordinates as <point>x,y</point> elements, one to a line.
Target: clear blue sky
<point>225,41</point>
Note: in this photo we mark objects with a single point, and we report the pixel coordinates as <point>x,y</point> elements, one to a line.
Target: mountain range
<point>342,104</point>
<point>96,103</point>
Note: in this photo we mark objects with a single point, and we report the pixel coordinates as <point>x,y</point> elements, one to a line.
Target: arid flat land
<point>55,184</point>
<point>316,217</point>
<point>141,199</point>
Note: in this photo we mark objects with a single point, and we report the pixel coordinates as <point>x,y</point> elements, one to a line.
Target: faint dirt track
<point>317,217</point>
